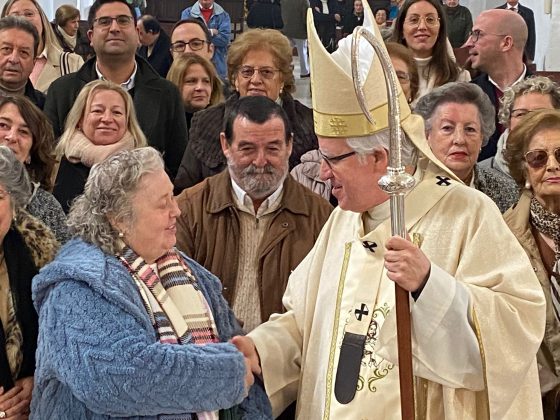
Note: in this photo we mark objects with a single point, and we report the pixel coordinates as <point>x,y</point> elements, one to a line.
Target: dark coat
<point>482,81</point>
<point>529,18</point>
<point>208,231</point>
<point>350,22</point>
<point>160,59</point>
<point>204,157</point>
<point>70,182</point>
<point>157,102</point>
<point>459,25</point>
<point>34,95</point>
<point>501,188</point>
<point>265,14</point>
<point>294,15</point>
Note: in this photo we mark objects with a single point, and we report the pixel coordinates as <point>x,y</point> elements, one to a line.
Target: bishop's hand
<point>406,264</point>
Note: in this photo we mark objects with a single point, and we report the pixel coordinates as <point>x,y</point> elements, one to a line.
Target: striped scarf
<point>179,311</point>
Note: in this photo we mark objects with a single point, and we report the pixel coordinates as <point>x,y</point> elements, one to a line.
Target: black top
<point>161,58</point>
<point>70,182</point>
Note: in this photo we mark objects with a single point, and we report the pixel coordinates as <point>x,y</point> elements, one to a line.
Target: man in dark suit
<point>157,102</point>
<point>495,48</point>
<point>155,44</point>
<point>529,18</point>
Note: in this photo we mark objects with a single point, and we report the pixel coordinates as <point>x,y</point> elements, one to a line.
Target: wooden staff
<point>395,183</point>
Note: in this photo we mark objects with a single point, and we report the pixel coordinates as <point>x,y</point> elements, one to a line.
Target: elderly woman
<point>197,81</point>
<point>101,122</point>
<point>421,26</point>
<point>66,27</point>
<point>459,119</point>
<point>28,133</point>
<point>259,63</point>
<point>533,157</point>
<point>52,62</point>
<point>525,96</point>
<point>147,326</point>
<point>26,245</point>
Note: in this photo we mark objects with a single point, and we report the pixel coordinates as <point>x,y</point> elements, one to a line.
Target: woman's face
<point>71,27</point>
<point>269,85</point>
<point>526,103</point>
<point>380,17</point>
<point>421,28</point>
<point>403,74</point>
<point>545,180</point>
<point>197,88</point>
<point>26,9</point>
<point>152,231</point>
<point>104,121</point>
<point>456,137</point>
<point>15,133</point>
<point>5,212</point>
<point>358,7</point>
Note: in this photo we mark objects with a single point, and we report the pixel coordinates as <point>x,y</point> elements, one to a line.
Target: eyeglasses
<point>4,194</point>
<point>521,112</point>
<point>105,21</point>
<point>330,161</point>
<point>401,75</point>
<point>265,72</point>
<point>538,158</point>
<point>431,21</point>
<point>194,44</point>
<point>27,14</point>
<point>476,34</point>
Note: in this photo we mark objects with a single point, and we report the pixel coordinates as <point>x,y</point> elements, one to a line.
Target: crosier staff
<point>397,182</point>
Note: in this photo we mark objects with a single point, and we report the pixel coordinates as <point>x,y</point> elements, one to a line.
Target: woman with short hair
<point>26,245</point>
<point>66,27</point>
<point>259,63</point>
<point>51,61</point>
<point>533,156</point>
<point>459,119</point>
<point>128,325</point>
<point>101,122</point>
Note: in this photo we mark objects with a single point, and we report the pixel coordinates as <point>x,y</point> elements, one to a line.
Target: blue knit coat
<point>98,356</point>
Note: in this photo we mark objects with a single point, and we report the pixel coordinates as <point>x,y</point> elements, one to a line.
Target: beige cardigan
<point>53,70</point>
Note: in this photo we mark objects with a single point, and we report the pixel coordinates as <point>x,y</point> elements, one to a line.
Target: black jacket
<point>70,182</point>
<point>265,14</point>
<point>486,85</point>
<point>34,95</point>
<point>529,18</point>
<point>204,156</point>
<point>157,102</point>
<point>161,58</point>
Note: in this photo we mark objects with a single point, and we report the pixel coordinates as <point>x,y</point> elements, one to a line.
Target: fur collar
<point>40,240</point>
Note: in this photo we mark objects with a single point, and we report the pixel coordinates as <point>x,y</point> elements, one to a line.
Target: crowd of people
<point>181,238</point>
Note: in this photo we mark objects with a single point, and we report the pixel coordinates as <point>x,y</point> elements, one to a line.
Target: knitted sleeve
<point>112,364</point>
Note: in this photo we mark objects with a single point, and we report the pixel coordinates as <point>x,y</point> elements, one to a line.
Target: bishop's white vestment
<point>476,326</point>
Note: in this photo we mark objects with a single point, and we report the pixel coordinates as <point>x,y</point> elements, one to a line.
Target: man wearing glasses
<point>218,23</point>
<point>496,46</point>
<point>157,102</point>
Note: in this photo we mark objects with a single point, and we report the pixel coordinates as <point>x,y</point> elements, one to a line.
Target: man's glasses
<point>105,21</point>
<point>521,112</point>
<point>194,44</point>
<point>265,72</point>
<point>431,21</point>
<point>538,158</point>
<point>330,161</point>
<point>476,34</point>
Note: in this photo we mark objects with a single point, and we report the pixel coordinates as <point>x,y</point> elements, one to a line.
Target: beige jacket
<point>54,68</point>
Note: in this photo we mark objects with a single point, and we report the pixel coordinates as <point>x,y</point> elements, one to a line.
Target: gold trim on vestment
<point>483,356</point>
<point>332,351</point>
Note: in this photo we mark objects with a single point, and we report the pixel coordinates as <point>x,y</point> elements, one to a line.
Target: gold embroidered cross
<point>338,125</point>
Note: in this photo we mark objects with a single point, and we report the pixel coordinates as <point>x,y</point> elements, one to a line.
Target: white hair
<point>366,145</point>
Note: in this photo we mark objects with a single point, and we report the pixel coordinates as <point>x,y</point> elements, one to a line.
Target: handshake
<point>252,361</point>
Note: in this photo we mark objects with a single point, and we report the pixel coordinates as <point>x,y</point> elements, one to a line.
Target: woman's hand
<point>14,404</point>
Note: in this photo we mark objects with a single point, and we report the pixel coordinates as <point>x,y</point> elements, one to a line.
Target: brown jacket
<point>548,356</point>
<point>208,232</point>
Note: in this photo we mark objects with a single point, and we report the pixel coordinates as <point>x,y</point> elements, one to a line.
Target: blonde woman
<point>52,62</point>
<point>197,81</point>
<point>101,123</point>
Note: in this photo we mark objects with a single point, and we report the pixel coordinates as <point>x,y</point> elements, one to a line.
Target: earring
<point>28,160</point>
<point>527,185</point>
<point>121,235</point>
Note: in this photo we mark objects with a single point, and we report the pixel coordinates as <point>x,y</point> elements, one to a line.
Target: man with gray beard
<point>252,224</point>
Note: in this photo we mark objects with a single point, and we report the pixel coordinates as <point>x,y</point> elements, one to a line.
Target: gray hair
<point>108,195</point>
<point>459,93</point>
<point>536,84</point>
<point>366,145</point>
<point>14,178</point>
